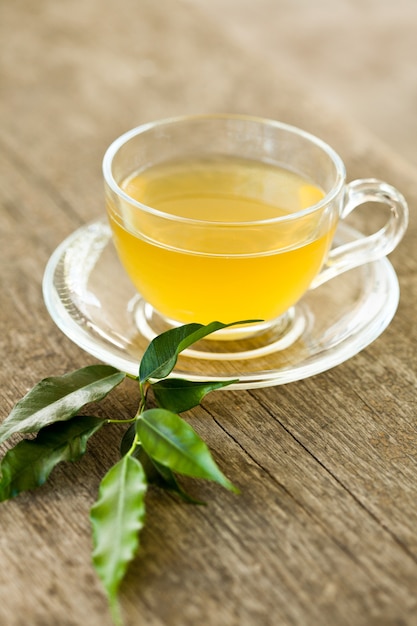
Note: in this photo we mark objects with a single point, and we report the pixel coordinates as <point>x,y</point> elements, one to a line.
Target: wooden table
<point>325,529</point>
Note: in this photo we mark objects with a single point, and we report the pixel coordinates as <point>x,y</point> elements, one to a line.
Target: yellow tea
<point>211,247</point>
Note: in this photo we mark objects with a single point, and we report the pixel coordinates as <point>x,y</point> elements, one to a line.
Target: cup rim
<point>118,143</point>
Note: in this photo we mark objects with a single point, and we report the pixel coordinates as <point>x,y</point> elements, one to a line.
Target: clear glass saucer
<point>92,301</point>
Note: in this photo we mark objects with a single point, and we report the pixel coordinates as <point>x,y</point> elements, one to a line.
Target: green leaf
<point>116,518</point>
<point>178,395</point>
<point>59,398</point>
<point>156,474</point>
<point>169,440</point>
<point>127,439</point>
<point>161,355</point>
<point>165,478</point>
<point>29,464</point>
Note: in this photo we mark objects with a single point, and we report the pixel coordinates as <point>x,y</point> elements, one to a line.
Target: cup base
<point>236,343</point>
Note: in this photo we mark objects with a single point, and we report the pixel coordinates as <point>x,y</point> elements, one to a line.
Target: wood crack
<point>340,483</point>
<point>300,504</point>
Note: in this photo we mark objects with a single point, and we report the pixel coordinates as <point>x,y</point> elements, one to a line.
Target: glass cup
<point>231,217</point>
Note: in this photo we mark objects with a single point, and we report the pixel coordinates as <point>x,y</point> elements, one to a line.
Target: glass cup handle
<point>375,246</point>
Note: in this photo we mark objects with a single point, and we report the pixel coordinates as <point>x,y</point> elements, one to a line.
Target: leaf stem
<point>133,446</point>
<point>143,388</point>
<point>123,421</point>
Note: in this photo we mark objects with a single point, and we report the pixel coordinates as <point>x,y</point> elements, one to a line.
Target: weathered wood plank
<point>323,532</point>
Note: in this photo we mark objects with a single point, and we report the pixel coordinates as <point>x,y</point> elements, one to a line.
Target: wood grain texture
<point>324,532</point>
